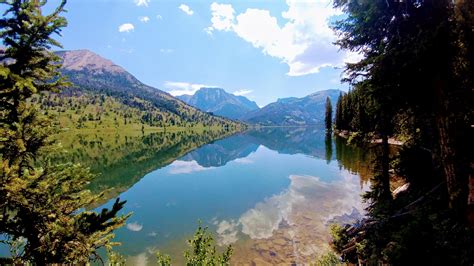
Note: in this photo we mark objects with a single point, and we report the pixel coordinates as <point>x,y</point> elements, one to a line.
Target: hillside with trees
<point>104,95</point>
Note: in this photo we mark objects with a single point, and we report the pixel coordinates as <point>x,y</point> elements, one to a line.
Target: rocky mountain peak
<point>78,60</point>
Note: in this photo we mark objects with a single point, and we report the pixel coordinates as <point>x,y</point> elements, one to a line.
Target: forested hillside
<point>104,95</point>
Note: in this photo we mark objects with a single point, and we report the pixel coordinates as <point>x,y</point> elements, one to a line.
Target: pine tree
<point>42,206</point>
<point>328,116</point>
<point>338,122</point>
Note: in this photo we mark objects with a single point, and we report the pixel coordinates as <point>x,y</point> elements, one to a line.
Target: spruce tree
<point>328,116</point>
<point>338,120</point>
<point>43,207</point>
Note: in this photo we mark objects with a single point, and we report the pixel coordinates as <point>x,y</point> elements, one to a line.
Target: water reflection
<point>271,192</point>
<point>134,226</point>
<point>311,141</point>
<point>223,151</point>
<point>291,227</point>
<point>121,159</point>
<point>186,167</point>
<point>292,140</point>
<point>328,145</point>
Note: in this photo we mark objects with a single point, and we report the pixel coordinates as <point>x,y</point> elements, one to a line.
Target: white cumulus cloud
<point>144,19</point>
<point>142,2</point>
<point>186,9</point>
<point>179,88</point>
<point>304,42</point>
<point>126,27</point>
<point>242,92</point>
<point>222,17</point>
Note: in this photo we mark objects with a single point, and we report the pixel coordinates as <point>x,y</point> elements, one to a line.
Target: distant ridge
<point>220,102</point>
<point>294,111</point>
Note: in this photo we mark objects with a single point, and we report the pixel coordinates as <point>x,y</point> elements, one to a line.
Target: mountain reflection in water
<point>270,192</point>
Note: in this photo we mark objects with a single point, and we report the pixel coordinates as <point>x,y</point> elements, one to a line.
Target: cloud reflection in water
<point>135,227</point>
<point>308,200</point>
<point>186,167</point>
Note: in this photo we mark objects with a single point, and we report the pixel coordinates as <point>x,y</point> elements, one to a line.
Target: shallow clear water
<point>271,193</point>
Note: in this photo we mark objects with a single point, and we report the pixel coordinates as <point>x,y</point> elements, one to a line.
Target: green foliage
<point>338,119</point>
<point>115,258</point>
<point>328,259</point>
<point>163,259</point>
<point>90,109</point>
<point>339,238</point>
<point>45,203</point>
<point>355,112</point>
<point>328,115</point>
<point>42,205</point>
<point>415,82</point>
<point>423,47</point>
<point>202,251</point>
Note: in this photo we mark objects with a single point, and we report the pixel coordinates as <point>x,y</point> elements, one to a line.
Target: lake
<point>270,192</point>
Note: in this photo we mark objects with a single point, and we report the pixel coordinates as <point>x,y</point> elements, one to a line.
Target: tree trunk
<point>456,181</point>
<point>452,162</point>
<point>385,167</point>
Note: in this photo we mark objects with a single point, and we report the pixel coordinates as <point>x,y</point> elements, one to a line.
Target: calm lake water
<point>271,193</point>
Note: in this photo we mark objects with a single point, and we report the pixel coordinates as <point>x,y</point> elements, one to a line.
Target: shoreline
<point>391,141</point>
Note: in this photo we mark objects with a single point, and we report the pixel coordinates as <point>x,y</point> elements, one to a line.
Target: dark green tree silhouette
<point>328,115</point>
<point>328,145</point>
<point>415,63</point>
<point>415,79</point>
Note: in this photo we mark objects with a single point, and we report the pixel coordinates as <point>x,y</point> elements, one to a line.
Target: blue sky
<point>262,49</point>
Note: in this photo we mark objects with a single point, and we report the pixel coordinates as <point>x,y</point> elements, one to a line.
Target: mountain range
<point>220,102</point>
<point>294,111</point>
<point>291,111</point>
<point>104,94</point>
